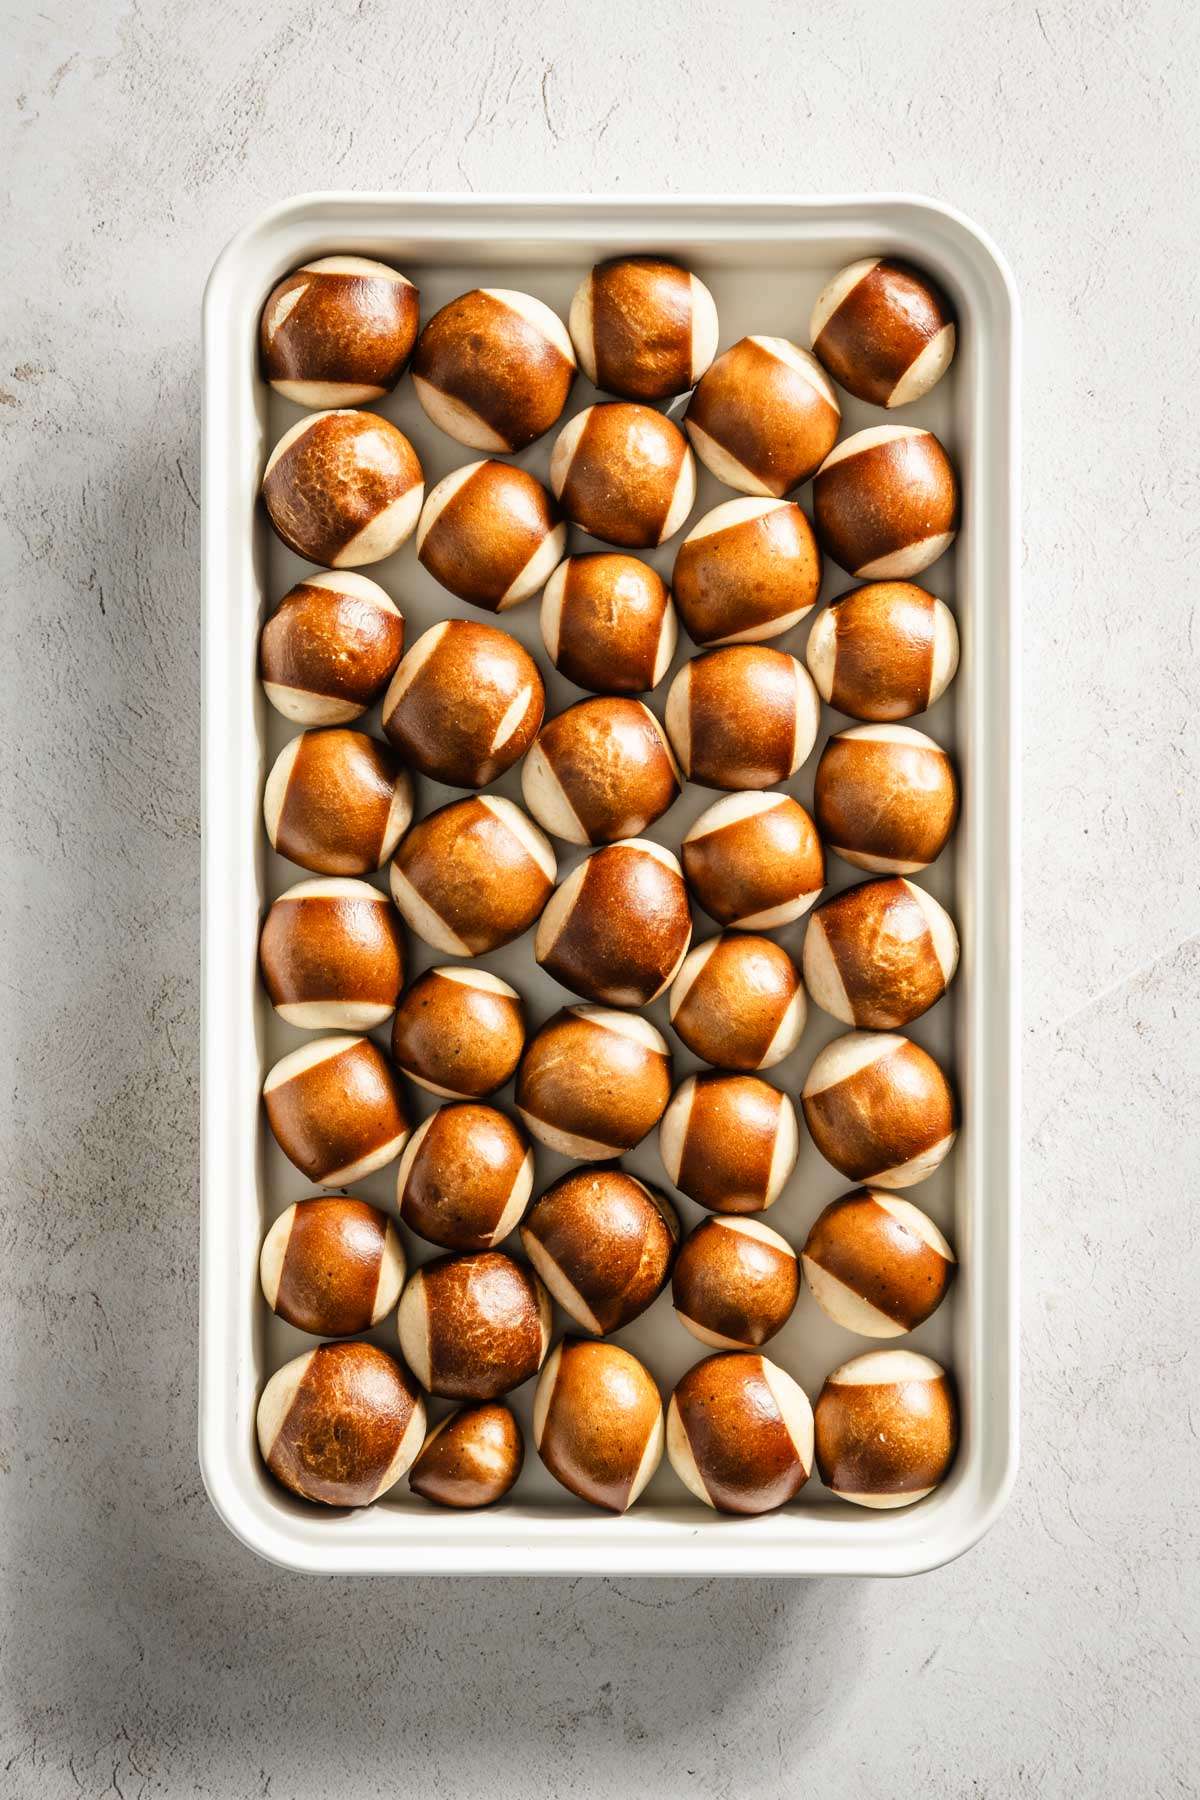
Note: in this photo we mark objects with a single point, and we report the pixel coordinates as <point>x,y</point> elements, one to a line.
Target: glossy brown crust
<point>462,1175</point>
<point>602,1413</point>
<point>729,1143</point>
<point>345,1424</point>
<point>488,356</point>
<point>737,1002</point>
<point>884,639</point>
<point>335,808</point>
<point>464,1039</point>
<point>330,1270</point>
<point>883,1115</point>
<point>332,947</point>
<point>899,801</point>
<point>612,763</point>
<point>881,327</point>
<point>477,875</point>
<point>763,861</point>
<point>881,1438</point>
<point>621,479</point>
<point>881,499</point>
<point>734,1285</point>
<point>595,1083</point>
<point>747,575</point>
<point>335,479</point>
<point>642,327</point>
<point>612,1236</point>
<point>485,1326</point>
<point>486,533</point>
<point>333,644</point>
<point>338,1111</point>
<point>445,722</point>
<point>471,1459</point>
<point>351,328</point>
<point>742,713</point>
<point>611,623</point>
<point>862,1245</point>
<point>628,928</point>
<point>737,1434</point>
<point>766,414</point>
<point>881,942</point>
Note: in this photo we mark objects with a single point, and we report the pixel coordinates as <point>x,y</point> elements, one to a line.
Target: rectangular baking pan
<point>765,261</point>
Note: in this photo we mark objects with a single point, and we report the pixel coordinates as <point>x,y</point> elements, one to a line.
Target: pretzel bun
<point>473,875</point>
<point>624,473</point>
<point>329,648</point>
<point>593,1082</point>
<point>884,331</point>
<point>608,623</point>
<point>491,534</point>
<point>740,1433</point>
<point>465,704</point>
<point>337,802</point>
<point>459,1032</point>
<point>738,1002</point>
<point>343,488</point>
<point>885,502</point>
<point>493,369</point>
<point>619,926</point>
<point>764,416</point>
<point>880,954</point>
<point>729,1142</point>
<point>465,1177</point>
<point>749,570</point>
<point>742,717</point>
<point>643,328</point>
<point>598,1422</point>
<point>735,1283</point>
<point>603,1243</point>
<point>473,1327</point>
<point>332,955</point>
<point>879,1109</point>
<point>340,1424</point>
<point>886,1427</point>
<point>338,331</point>
<point>884,651</point>
<point>336,1109</point>
<point>877,1264</point>
<point>885,798</point>
<point>754,860</point>
<point>470,1458</point>
<point>332,1266</point>
<point>599,771</point>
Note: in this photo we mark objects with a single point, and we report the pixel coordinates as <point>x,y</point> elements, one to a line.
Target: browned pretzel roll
<point>880,954</point>
<point>337,802</point>
<point>329,648</point>
<point>886,1427</point>
<point>470,1458</point>
<point>473,875</point>
<point>879,1109</point>
<point>617,929</point>
<point>643,328</point>
<point>750,569</point>
<point>332,955</point>
<point>338,331</point>
<point>336,1109</point>
<point>742,717</point>
<point>877,1264</point>
<point>598,1422</point>
<point>735,1283</point>
<point>459,1032</point>
<point>465,703</point>
<point>608,623</point>
<point>472,1327</point>
<point>592,1082</point>
<point>883,651</point>
<point>738,1002</point>
<point>754,861</point>
<point>624,473</point>
<point>885,798</point>
<point>883,330</point>
<point>343,488</point>
<point>740,1433</point>
<point>729,1142</point>
<point>885,502</point>
<point>494,368</point>
<point>764,416</point>
<point>602,1241</point>
<point>340,1424</point>
<point>465,1177</point>
<point>332,1266</point>
<point>602,770</point>
<point>491,534</point>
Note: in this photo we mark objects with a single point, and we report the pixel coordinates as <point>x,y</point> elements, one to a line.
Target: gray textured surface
<point>144,1652</point>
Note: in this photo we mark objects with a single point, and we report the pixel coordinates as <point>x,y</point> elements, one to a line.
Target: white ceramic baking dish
<point>764,260</point>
